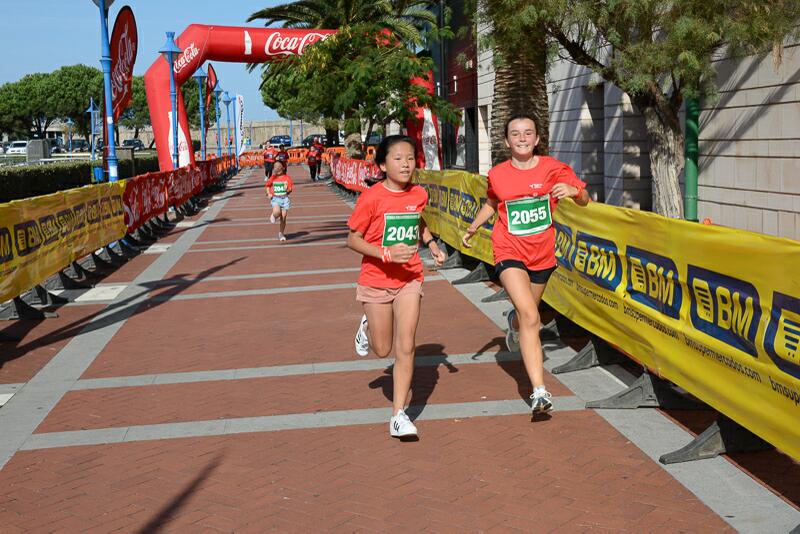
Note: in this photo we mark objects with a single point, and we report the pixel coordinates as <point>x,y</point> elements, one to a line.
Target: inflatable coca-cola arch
<point>201,43</point>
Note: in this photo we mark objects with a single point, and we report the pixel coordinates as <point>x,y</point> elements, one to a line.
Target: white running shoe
<point>281,237</point>
<point>540,401</point>
<point>400,426</point>
<point>512,335</point>
<point>272,218</point>
<point>362,341</point>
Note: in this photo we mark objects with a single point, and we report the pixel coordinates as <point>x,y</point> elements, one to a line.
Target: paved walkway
<point>211,385</point>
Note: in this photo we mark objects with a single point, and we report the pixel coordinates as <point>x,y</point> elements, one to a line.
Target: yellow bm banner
<point>454,198</point>
<point>712,309</point>
<point>39,236</point>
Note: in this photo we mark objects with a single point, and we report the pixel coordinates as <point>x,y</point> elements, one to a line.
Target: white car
<point>18,147</point>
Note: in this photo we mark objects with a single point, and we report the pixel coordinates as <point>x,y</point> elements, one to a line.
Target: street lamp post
<point>70,123</point>
<point>169,50</point>
<point>105,61</point>
<point>235,134</point>
<point>226,99</point>
<point>217,91</point>
<point>91,111</point>
<point>201,77</point>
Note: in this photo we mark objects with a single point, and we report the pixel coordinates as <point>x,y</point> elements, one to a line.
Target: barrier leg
<point>723,436</point>
<point>549,332</point>
<point>108,255</point>
<point>497,297</point>
<point>453,261</point>
<point>127,249</point>
<point>64,280</point>
<point>144,236</point>
<point>95,265</point>
<point>648,391</point>
<point>478,274</point>
<point>39,296</point>
<point>131,241</point>
<point>18,309</point>
<point>596,352</point>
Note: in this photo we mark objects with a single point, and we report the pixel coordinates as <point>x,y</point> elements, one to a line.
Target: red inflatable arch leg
<point>202,43</point>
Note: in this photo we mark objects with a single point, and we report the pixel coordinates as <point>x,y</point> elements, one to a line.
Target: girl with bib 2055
<point>524,191</point>
<point>386,228</point>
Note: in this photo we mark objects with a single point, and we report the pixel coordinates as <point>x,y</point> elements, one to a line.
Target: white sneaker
<point>400,426</point>
<point>281,237</point>
<point>362,341</point>
<point>512,335</point>
<point>272,218</point>
<point>540,401</point>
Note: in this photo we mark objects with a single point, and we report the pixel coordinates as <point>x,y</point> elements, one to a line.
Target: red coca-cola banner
<point>124,45</point>
<point>211,83</point>
<point>353,173</point>
<point>145,197</point>
<point>149,195</point>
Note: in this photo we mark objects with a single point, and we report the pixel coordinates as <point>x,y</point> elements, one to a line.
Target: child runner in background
<point>386,227</point>
<point>269,161</point>
<point>525,191</point>
<point>282,156</point>
<point>279,187</point>
<point>312,158</point>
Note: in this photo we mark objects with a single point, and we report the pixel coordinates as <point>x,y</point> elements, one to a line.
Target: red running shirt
<point>279,186</point>
<point>524,199</point>
<point>385,217</point>
<point>269,155</point>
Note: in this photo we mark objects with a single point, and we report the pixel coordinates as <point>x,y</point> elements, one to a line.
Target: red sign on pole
<point>211,83</point>
<point>124,45</point>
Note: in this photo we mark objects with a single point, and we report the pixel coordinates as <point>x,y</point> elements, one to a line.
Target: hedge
<point>34,180</point>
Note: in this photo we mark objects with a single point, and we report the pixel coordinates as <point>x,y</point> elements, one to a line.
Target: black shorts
<point>537,277</point>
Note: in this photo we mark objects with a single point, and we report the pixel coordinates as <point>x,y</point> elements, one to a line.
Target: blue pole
<point>91,112</point>
<point>228,109</point>
<point>291,133</point>
<point>219,136</point>
<point>202,120</point>
<point>105,61</point>
<point>173,96</point>
<point>235,133</point>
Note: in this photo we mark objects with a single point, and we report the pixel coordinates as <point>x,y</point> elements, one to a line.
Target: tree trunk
<point>352,136</point>
<point>666,160</point>
<point>520,88</point>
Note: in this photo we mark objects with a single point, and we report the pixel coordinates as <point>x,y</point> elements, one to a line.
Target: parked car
<point>18,147</point>
<point>374,139</point>
<point>313,137</point>
<point>277,140</point>
<point>80,145</point>
<point>135,144</point>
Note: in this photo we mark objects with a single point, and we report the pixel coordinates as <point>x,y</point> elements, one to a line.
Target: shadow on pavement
<point>171,509</point>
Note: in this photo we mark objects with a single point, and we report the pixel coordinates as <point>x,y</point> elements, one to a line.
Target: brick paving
<point>572,472</point>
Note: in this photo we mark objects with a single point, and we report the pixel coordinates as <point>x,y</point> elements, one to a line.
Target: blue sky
<point>43,35</point>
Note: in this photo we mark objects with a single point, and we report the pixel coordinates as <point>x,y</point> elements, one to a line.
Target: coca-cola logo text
<point>278,45</point>
<point>123,65</point>
<point>189,53</point>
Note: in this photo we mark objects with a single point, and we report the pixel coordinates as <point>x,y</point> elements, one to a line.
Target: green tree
<point>137,115</point>
<point>660,53</point>
<point>32,103</point>
<point>76,85</point>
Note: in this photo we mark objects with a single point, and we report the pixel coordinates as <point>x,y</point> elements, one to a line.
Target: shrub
<point>34,180</point>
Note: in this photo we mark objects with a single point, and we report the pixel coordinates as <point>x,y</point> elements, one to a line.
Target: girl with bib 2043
<point>525,191</point>
<point>386,228</point>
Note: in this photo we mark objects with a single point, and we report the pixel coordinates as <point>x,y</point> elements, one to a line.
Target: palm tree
<point>405,19</point>
<point>520,85</point>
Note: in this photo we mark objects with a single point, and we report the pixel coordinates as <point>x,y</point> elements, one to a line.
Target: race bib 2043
<point>279,188</point>
<point>529,216</point>
<point>400,228</point>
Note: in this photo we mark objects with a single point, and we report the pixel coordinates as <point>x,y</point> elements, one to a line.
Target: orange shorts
<point>382,295</point>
